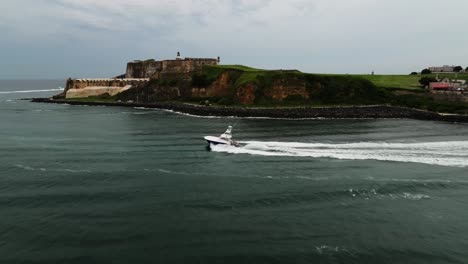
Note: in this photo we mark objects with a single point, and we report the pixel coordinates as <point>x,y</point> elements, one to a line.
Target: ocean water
<point>82,184</point>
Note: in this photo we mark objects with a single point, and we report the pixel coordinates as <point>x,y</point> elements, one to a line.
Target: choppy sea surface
<point>82,184</point>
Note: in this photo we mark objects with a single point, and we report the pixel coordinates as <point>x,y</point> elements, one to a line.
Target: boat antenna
<point>235,123</point>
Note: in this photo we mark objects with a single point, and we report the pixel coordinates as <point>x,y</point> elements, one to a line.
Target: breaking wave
<point>452,153</point>
<point>32,91</point>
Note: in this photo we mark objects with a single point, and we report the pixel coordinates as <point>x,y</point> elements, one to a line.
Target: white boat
<point>224,139</point>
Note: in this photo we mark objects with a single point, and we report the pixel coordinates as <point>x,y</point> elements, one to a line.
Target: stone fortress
<point>137,73</point>
<point>153,68</point>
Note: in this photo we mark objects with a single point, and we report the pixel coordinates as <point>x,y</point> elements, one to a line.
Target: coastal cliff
<point>240,85</point>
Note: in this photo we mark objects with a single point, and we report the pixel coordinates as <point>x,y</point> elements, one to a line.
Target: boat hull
<point>216,141</point>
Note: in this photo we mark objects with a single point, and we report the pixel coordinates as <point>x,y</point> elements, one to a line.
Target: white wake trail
<point>451,153</point>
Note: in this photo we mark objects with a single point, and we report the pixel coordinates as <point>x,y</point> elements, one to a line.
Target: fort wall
<point>83,83</point>
<point>143,69</point>
<point>154,69</point>
<point>80,88</point>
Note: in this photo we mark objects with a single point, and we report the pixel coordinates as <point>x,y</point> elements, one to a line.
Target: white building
<point>445,68</point>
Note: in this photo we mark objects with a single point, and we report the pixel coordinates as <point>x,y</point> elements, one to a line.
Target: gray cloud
<point>96,37</point>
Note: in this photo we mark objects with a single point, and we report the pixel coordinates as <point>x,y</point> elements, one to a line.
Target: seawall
<point>352,112</point>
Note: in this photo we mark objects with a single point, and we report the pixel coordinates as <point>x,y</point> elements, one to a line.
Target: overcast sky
<point>95,38</point>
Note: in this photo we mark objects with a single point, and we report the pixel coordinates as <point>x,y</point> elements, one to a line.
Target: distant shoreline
<point>351,112</point>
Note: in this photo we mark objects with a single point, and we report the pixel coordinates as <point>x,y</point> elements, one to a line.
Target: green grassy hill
<point>406,82</point>
<point>409,82</point>
<point>323,89</point>
<point>239,85</point>
<point>335,89</point>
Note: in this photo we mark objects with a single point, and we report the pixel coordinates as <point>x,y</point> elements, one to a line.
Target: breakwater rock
<point>351,112</point>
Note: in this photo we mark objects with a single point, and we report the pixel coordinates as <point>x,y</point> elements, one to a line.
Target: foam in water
<point>329,250</point>
<point>28,168</point>
<point>181,113</point>
<point>373,194</point>
<point>452,153</point>
<point>32,91</point>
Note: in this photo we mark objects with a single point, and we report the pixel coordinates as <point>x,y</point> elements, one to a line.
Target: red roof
<point>440,85</point>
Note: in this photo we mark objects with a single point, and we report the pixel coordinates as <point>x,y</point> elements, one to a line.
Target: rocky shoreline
<point>352,112</point>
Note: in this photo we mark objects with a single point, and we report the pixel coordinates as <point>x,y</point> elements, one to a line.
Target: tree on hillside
<point>458,69</point>
<point>425,81</point>
<point>200,81</point>
<point>426,71</point>
<point>414,73</point>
